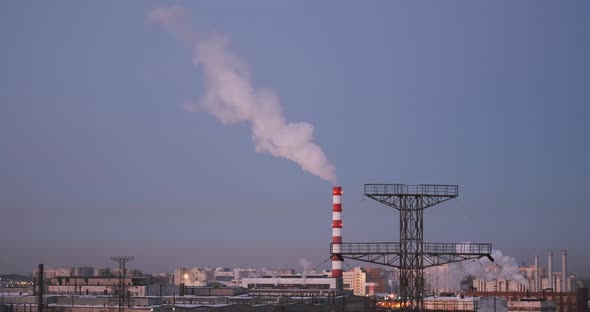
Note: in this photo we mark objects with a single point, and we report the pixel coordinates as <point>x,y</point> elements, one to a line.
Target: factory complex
<point>423,285</point>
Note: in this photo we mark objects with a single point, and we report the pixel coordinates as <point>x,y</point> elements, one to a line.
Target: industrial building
<point>136,286</point>
<point>192,276</point>
<point>355,280</point>
<point>286,284</point>
<point>439,281</point>
<point>86,271</point>
<point>379,278</point>
<point>565,301</point>
<point>532,305</point>
<point>536,278</point>
<point>205,276</point>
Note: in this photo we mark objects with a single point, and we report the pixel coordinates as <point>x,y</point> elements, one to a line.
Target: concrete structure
<point>245,272</point>
<point>370,289</point>
<point>192,276</point>
<point>93,290</point>
<point>530,274</point>
<point>278,272</point>
<point>224,274</point>
<point>550,283</point>
<point>532,305</point>
<point>137,286</point>
<point>451,304</point>
<point>536,278</point>
<point>355,280</point>
<point>500,284</point>
<point>377,277</point>
<point>566,302</point>
<point>290,282</point>
<point>201,277</point>
<point>564,282</point>
<point>81,272</point>
<point>191,291</point>
<point>436,304</point>
<point>55,272</point>
<point>537,275</point>
<point>272,289</point>
<point>438,280</point>
<point>492,304</point>
<point>558,282</point>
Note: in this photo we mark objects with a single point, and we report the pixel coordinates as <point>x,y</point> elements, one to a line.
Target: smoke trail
<point>306,265</point>
<point>503,267</point>
<point>231,98</point>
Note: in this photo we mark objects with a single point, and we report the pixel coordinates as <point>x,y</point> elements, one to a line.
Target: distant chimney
<point>550,270</point>
<point>537,275</point>
<point>564,283</point>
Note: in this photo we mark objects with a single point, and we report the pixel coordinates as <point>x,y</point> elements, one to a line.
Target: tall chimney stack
<point>564,283</point>
<point>337,235</point>
<point>550,270</point>
<point>537,277</point>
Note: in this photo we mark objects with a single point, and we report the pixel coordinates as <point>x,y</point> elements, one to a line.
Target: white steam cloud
<point>503,267</point>
<point>231,98</point>
<point>506,267</point>
<point>306,265</point>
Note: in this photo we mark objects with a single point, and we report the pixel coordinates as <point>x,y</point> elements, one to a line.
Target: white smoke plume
<point>503,267</point>
<point>448,278</point>
<point>231,98</point>
<point>306,265</point>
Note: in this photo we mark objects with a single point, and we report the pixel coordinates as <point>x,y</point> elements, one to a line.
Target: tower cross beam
<point>389,253</point>
<point>401,196</point>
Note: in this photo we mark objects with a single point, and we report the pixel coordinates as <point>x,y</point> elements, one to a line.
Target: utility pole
<point>122,287</point>
<point>40,283</point>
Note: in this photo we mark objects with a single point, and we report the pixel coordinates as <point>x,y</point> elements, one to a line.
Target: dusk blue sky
<point>99,158</point>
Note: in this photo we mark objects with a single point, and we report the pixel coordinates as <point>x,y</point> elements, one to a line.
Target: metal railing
<point>420,189</point>
<point>427,248</point>
<point>368,248</point>
<point>458,248</point>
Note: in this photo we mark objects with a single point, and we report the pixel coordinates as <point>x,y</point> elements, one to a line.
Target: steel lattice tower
<point>411,255</point>
<point>122,287</point>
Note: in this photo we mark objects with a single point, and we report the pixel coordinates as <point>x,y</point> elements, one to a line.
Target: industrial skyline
<point>114,140</point>
<point>502,275</point>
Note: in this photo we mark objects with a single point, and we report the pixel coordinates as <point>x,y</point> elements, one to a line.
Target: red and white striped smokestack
<point>336,232</point>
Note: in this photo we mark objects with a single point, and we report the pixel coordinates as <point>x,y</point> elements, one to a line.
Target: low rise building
<point>532,305</point>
